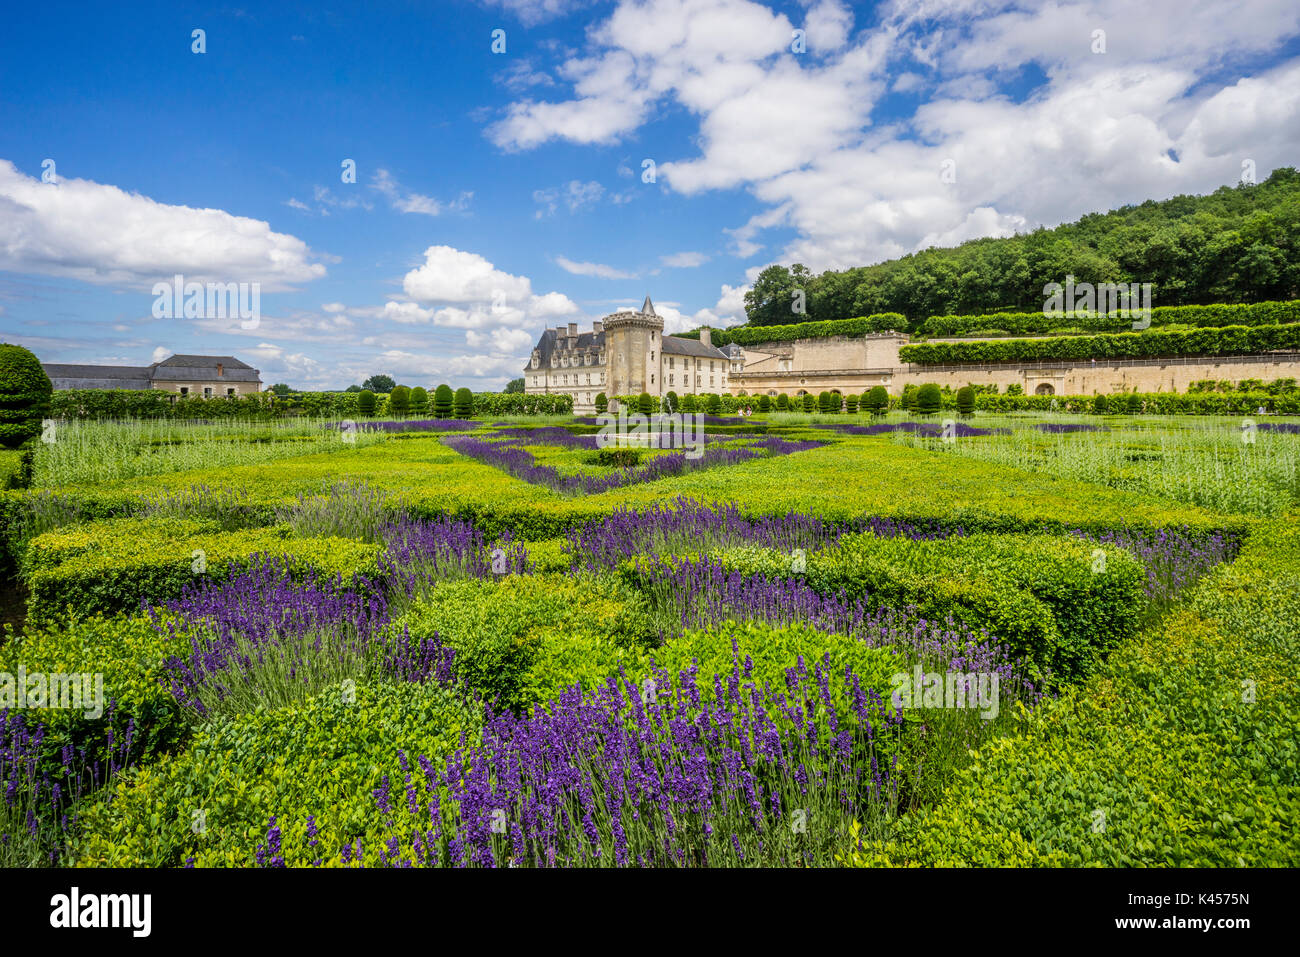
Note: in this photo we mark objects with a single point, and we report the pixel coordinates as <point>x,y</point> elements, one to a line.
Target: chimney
<point>598,326</point>
<point>220,370</point>
<point>706,336</point>
<point>573,330</point>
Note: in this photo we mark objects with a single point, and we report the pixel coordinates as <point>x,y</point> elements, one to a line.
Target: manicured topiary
<point>420,400</point>
<point>689,403</point>
<point>714,403</point>
<point>463,403</point>
<point>823,401</point>
<point>602,402</point>
<point>645,404</point>
<point>907,401</point>
<point>399,400</point>
<point>809,402</point>
<point>1101,404</point>
<point>764,403</point>
<point>783,403</point>
<point>366,402</point>
<point>876,401</point>
<point>1134,404</point>
<point>851,404</point>
<point>929,399</point>
<point>443,400</point>
<point>966,400</point>
<point>25,392</point>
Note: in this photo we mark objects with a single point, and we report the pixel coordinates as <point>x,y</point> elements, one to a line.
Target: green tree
<point>877,400</point>
<point>380,383</point>
<point>907,400</point>
<point>463,403</point>
<point>420,400</point>
<point>25,393</point>
<point>1100,403</point>
<point>966,400</point>
<point>783,403</point>
<point>602,402</point>
<point>644,404</point>
<point>443,401</point>
<point>764,403</point>
<point>515,385</point>
<point>670,402</point>
<point>809,402</point>
<point>281,388</point>
<point>1015,389</point>
<point>366,402</point>
<point>929,399</point>
<point>690,403</point>
<point>399,400</point>
<point>851,404</point>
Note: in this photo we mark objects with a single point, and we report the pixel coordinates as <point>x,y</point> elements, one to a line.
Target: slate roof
<point>546,345</point>
<point>674,346</point>
<point>75,376</point>
<point>183,368</point>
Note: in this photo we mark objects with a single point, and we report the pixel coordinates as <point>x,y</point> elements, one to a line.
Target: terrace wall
<point>854,364</point>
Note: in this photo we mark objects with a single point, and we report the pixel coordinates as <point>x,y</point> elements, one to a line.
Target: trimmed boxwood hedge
<point>111,566</point>
<point>1150,344</point>
<point>753,335</point>
<point>1036,593</point>
<point>1036,323</point>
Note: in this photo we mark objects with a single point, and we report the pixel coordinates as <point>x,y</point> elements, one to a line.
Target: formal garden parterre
<point>481,642</point>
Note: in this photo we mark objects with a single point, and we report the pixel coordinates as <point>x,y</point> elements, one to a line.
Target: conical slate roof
<point>648,307</point>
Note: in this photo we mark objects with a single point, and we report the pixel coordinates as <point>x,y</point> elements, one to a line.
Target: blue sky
<point>499,193</point>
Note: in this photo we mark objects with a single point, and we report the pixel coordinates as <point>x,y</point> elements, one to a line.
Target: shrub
<point>1037,594</point>
<point>876,400</point>
<point>783,402</point>
<point>1029,323</point>
<point>419,400</point>
<point>713,403</point>
<point>366,402</point>
<point>443,401</point>
<point>851,404</point>
<point>765,403</point>
<point>907,399</point>
<point>463,404</point>
<point>929,399</point>
<point>25,392</point>
<point>670,402</point>
<point>324,757</point>
<point>1148,344</point>
<point>1134,403</point>
<point>966,400</point>
<point>645,404</point>
<point>690,403</point>
<point>112,566</point>
<point>602,402</point>
<point>522,640</point>
<point>754,335</point>
<point>399,400</point>
<point>1190,770</point>
<point>1100,403</point>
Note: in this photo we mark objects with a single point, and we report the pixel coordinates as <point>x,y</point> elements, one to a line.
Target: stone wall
<point>855,364</point>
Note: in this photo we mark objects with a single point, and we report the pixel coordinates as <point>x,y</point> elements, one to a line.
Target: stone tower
<point>632,347</point>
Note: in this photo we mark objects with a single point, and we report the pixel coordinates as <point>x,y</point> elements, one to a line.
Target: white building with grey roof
<point>625,353</point>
